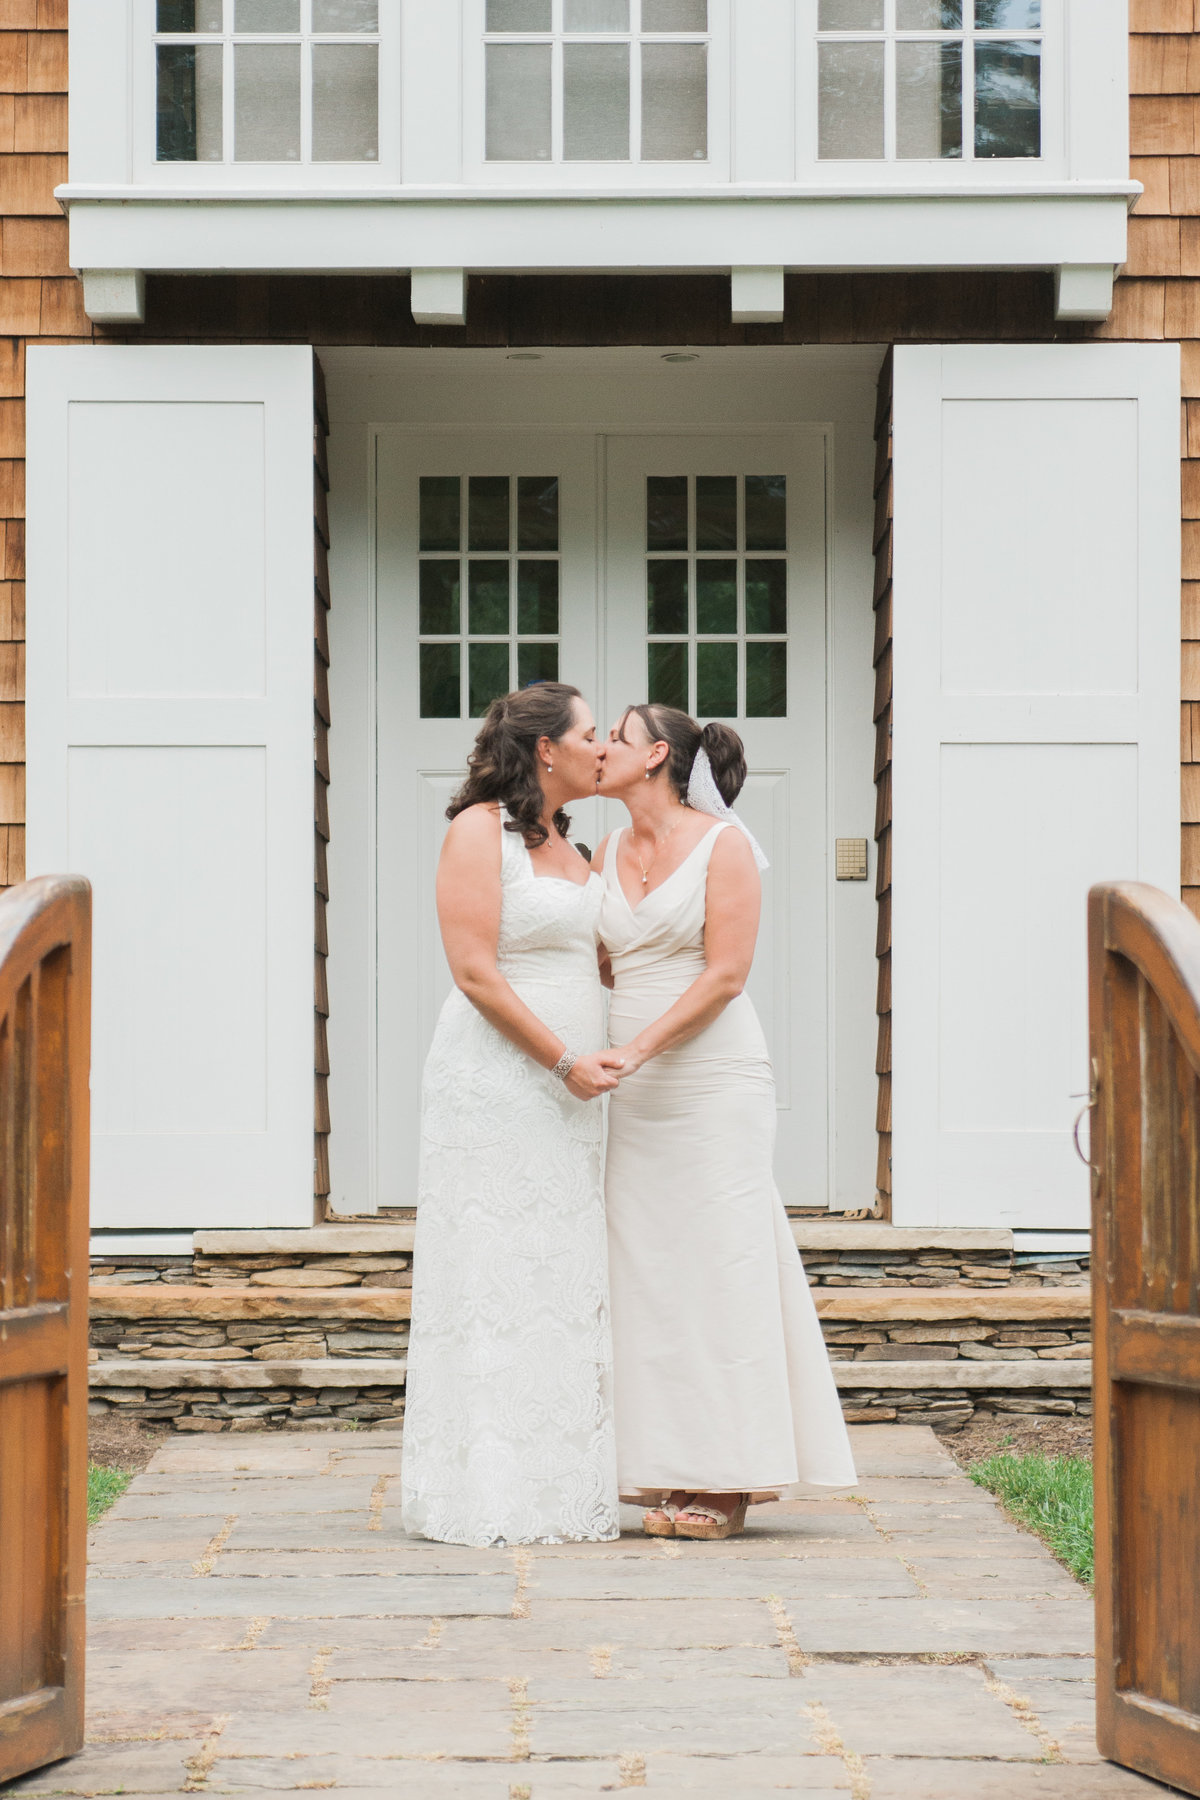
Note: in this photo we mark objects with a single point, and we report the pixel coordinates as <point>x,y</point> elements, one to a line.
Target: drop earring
<point>549,768</point>
<point>647,771</point>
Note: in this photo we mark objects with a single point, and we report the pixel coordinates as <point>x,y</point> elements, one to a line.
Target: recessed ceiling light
<point>524,356</point>
<point>682,356</point>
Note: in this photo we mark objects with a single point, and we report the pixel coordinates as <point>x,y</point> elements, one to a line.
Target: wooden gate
<point>45,979</point>
<point>1145,1043</point>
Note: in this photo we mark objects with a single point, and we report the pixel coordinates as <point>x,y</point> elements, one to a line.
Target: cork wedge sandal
<point>659,1521</point>
<point>708,1525</point>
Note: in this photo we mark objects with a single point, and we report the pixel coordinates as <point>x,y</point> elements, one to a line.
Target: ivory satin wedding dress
<point>721,1378</point>
<point>508,1433</point>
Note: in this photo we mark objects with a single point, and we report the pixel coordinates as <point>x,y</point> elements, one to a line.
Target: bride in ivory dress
<point>723,1389</point>
<point>508,1430</point>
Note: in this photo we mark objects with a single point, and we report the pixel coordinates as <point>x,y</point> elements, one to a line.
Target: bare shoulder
<point>474,832</point>
<point>732,855</point>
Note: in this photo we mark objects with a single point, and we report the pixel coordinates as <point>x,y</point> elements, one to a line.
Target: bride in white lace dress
<point>508,1428</point>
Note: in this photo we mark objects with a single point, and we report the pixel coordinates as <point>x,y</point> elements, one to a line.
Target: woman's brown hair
<point>503,765</point>
<point>723,746</point>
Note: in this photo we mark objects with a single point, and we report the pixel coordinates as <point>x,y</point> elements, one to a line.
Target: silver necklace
<point>657,849</point>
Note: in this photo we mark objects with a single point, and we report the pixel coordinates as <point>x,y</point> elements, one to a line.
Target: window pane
<point>716,681</point>
<point>440,673</point>
<point>666,512</point>
<point>487,676</point>
<point>518,102</point>
<point>266,89</point>
<point>518,15</point>
<point>345,15</point>
<point>1007,99</point>
<point>345,103</point>
<point>1008,15</point>
<point>929,15</point>
<point>716,512</point>
<point>266,15</point>
<point>537,512</point>
<point>537,596</point>
<point>440,509</point>
<point>189,103</point>
<point>666,597</point>
<point>674,102</point>
<point>595,15</point>
<point>487,512</point>
<point>487,597</point>
<point>440,596</point>
<point>716,596</point>
<point>766,512</point>
<point>596,102</point>
<point>851,101</point>
<point>674,15</point>
<point>536,662</point>
<point>766,681</point>
<point>928,100</point>
<point>189,15</point>
<point>850,15</point>
<point>766,596</point>
<point>666,668</point>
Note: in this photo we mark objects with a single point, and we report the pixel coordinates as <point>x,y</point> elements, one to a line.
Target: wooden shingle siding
<point>320,787</point>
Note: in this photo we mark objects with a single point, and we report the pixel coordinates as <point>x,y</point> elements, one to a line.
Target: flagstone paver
<point>261,1624</point>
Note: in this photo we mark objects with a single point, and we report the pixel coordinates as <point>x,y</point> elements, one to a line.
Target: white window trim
<point>714,171</point>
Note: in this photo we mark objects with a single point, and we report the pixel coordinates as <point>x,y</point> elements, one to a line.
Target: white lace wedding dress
<point>508,1432</point>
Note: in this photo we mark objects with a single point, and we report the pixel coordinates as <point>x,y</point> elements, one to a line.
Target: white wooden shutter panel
<point>1035,747</point>
<point>170,760</point>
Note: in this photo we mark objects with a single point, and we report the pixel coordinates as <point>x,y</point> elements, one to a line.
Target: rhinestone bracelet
<point>565,1064</point>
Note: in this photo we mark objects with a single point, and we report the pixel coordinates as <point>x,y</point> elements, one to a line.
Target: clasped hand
<point>596,1073</point>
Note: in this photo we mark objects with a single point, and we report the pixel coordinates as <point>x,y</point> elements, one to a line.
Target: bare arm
<point>733,901</point>
<point>606,974</point>
<point>468,902</point>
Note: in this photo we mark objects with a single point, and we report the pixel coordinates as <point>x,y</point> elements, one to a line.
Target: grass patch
<point>1050,1494</point>
<point>104,1486</point>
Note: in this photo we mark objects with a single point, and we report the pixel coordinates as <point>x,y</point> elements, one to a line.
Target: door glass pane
<point>488,512</point>
<point>440,586</point>
<point>851,100</point>
<point>487,597</point>
<point>266,87</point>
<point>266,15</point>
<point>518,15</point>
<point>595,15</point>
<point>666,666</point>
<point>345,15</point>
<point>766,681</point>
<point>440,666</point>
<point>536,662</point>
<point>487,676</point>
<point>929,15</point>
<point>596,102</point>
<point>766,596</point>
<point>850,15</point>
<point>674,102</point>
<point>345,102</point>
<point>766,512</point>
<point>188,15</point>
<point>537,512</point>
<point>189,103</point>
<point>928,100</point>
<point>1008,99</point>
<point>666,512</point>
<point>518,102</point>
<point>440,509</point>
<point>1008,15</point>
<point>716,512</point>
<point>716,681</point>
<point>537,596</point>
<point>716,596</point>
<point>666,597</point>
<point>674,15</point>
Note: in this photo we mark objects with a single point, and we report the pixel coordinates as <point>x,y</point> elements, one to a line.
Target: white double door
<point>688,567</point>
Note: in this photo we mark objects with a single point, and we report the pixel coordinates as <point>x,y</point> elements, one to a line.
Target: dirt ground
<point>117,1443</point>
<point>1018,1435</point>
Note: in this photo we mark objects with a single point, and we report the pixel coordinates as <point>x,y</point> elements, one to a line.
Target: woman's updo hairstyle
<point>504,764</point>
<point>723,746</point>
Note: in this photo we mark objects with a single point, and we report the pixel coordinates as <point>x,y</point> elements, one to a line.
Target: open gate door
<point>45,979</point>
<point>1145,1036</point>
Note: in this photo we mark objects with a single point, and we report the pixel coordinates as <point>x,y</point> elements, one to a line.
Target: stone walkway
<point>261,1624</point>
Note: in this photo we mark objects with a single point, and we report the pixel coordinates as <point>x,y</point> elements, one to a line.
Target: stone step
<point>395,1237</point>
